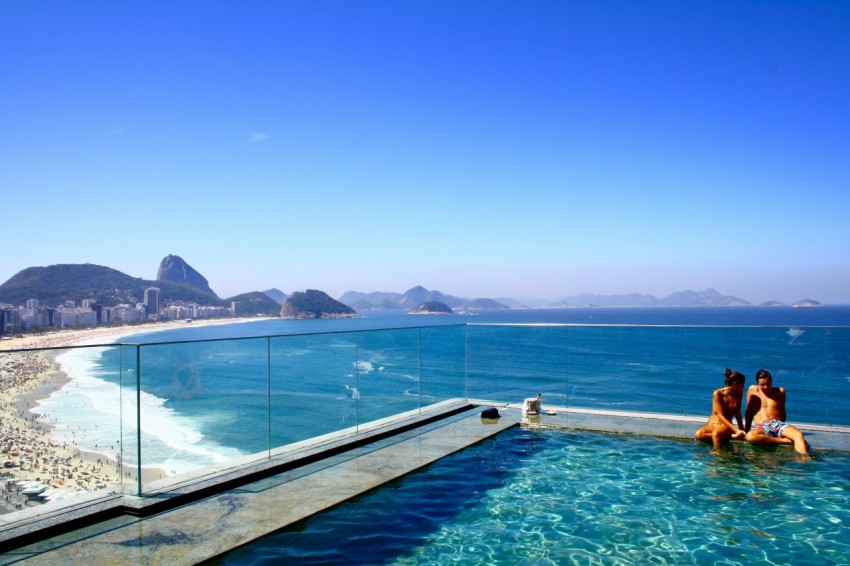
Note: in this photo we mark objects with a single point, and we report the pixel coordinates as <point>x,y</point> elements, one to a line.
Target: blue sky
<point>484,149</point>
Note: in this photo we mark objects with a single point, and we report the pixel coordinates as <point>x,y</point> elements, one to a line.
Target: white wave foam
<point>93,413</point>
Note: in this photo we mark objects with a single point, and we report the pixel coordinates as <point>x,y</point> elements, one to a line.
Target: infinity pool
<point>566,497</point>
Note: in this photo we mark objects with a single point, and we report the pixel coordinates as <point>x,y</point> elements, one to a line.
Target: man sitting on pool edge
<point>766,405</point>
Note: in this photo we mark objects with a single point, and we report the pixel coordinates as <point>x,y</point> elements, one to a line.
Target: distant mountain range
<point>412,298</point>
<point>393,301</point>
<point>707,298</point>
<point>179,282</point>
<point>380,300</point>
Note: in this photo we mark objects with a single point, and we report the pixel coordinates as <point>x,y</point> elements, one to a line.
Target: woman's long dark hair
<point>734,377</point>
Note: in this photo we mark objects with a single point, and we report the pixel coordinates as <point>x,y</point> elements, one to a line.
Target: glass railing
<point>212,404</point>
<point>660,369</point>
<point>144,415</point>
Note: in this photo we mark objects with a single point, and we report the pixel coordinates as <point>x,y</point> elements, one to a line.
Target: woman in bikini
<point>726,403</point>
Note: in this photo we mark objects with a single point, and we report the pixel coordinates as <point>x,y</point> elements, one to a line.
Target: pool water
<point>575,497</point>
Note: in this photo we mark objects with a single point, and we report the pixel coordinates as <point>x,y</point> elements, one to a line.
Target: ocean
<point>239,393</point>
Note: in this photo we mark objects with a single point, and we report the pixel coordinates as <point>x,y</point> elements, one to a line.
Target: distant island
<point>314,304</point>
<point>431,307</point>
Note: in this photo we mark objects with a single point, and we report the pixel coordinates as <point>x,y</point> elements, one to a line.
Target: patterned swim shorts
<point>772,427</point>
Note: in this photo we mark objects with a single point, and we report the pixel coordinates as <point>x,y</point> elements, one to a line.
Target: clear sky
<point>480,148</point>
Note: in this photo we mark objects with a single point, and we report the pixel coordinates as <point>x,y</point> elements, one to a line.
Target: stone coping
<point>820,437</point>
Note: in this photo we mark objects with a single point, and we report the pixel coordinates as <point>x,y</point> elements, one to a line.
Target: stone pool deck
<point>227,516</point>
<point>208,527</point>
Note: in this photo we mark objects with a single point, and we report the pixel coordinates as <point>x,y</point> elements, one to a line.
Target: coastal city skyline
<point>499,150</point>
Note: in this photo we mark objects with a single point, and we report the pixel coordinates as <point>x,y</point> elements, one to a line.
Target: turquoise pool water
<point>566,497</point>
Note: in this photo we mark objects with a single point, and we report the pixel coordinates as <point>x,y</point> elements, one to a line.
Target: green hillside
<point>55,284</point>
<point>314,304</point>
<point>254,303</point>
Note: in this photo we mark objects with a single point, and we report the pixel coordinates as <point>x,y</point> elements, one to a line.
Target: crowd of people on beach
<point>20,371</point>
<point>764,423</point>
<point>27,451</point>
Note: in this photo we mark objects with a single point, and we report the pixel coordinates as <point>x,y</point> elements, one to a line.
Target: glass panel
<point>443,364</point>
<point>661,369</point>
<point>202,404</point>
<point>127,379</point>
<point>812,365</point>
<point>59,427</point>
<point>314,389</point>
<point>512,363</point>
<point>87,414</point>
<point>387,373</point>
<point>809,363</point>
<point>626,368</point>
<point>707,352</point>
<point>834,374</point>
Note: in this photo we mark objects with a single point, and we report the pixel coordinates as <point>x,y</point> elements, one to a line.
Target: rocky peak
<point>173,268</point>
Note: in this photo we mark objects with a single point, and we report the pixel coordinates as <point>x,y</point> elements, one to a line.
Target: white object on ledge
<point>531,406</point>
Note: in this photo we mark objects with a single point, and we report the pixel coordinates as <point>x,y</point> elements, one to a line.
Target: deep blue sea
<point>252,386</point>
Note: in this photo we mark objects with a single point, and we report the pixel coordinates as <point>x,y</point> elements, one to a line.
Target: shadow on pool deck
<point>204,528</point>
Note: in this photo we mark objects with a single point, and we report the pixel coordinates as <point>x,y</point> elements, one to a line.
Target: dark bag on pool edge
<point>491,413</point>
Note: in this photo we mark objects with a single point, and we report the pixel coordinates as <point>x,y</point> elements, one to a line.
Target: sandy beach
<point>28,452</point>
